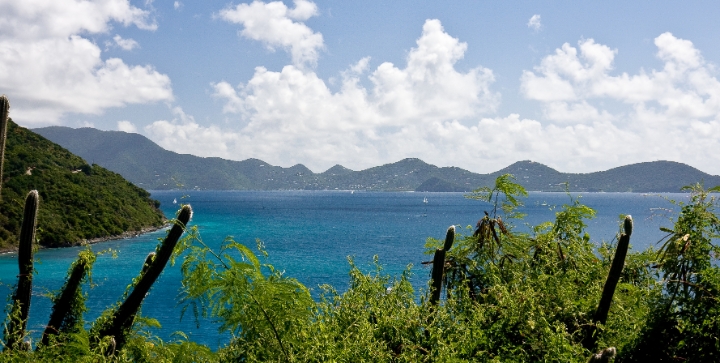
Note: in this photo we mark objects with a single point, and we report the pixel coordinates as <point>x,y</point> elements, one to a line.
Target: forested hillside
<point>78,201</point>
<point>151,167</point>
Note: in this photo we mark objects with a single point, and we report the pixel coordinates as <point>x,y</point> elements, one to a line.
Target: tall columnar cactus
<point>449,238</point>
<point>615,271</point>
<point>613,278</point>
<point>146,266</point>
<point>65,315</point>
<point>119,322</point>
<point>439,266</point>
<point>21,298</point>
<point>4,110</point>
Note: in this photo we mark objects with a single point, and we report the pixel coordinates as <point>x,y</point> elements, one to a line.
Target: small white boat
<point>425,200</point>
<point>174,201</point>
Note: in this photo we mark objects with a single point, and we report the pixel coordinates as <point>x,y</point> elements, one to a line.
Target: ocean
<point>309,235</point>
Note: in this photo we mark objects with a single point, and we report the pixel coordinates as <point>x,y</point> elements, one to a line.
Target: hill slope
<point>77,201</point>
<point>147,165</point>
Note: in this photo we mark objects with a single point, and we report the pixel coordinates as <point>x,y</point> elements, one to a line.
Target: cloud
<point>275,25</point>
<point>183,135</point>
<point>670,113</point>
<point>125,44</point>
<point>49,69</point>
<point>684,89</point>
<point>361,66</point>
<point>291,116</point>
<point>177,5</point>
<point>38,19</point>
<point>593,117</point>
<point>126,126</point>
<point>534,22</point>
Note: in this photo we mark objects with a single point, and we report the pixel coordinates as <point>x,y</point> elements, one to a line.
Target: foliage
<point>79,201</point>
<point>254,301</point>
<point>509,297</point>
<point>684,318</point>
<point>505,187</point>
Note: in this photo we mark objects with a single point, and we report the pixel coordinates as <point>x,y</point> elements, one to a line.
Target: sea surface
<point>310,235</point>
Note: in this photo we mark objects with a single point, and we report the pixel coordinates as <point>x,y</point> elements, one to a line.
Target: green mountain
<point>77,201</point>
<point>149,166</point>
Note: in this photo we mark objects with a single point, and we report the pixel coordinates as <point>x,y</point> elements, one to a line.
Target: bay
<point>309,235</point>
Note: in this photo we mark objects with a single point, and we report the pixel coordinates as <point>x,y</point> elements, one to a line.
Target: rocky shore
<point>92,241</point>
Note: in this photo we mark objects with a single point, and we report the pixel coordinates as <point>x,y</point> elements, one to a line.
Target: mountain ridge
<point>151,167</point>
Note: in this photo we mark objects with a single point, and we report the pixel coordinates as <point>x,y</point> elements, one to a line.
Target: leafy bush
<point>507,297</point>
<point>684,318</point>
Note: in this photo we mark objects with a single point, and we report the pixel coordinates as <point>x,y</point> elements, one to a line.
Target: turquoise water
<point>309,235</point>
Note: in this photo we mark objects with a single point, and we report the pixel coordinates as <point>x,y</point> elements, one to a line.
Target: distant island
<point>151,167</point>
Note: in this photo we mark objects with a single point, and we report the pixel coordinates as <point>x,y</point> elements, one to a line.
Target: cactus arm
<point>438,268</point>
<point>25,251</point>
<point>4,110</point>
<point>437,272</point>
<point>613,278</point>
<point>63,303</point>
<point>129,308</point>
<point>16,328</point>
<point>148,262</point>
<point>615,271</point>
<point>449,238</point>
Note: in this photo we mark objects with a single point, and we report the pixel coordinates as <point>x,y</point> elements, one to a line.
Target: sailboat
<point>425,200</point>
<point>175,201</point>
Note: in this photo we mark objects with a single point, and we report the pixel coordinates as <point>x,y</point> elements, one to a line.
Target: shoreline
<point>96,240</point>
<point>402,191</point>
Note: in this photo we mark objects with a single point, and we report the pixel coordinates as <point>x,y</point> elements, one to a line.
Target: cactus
<point>616,268</point>
<point>439,266</point>
<point>437,273</point>
<point>148,262</point>
<point>120,320</point>
<point>65,312</point>
<point>449,238</point>
<point>4,109</point>
<point>21,298</point>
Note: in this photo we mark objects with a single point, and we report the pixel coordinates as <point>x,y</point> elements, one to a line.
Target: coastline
<point>92,241</point>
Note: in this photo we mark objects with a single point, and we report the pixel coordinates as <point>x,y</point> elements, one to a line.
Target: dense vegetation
<point>78,201</point>
<point>149,166</point>
<point>497,296</point>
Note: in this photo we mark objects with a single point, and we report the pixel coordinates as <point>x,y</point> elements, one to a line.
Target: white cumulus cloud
<point>593,117</point>
<point>183,134</point>
<point>669,113</point>
<point>125,44</point>
<point>686,88</point>
<point>534,22</point>
<point>126,126</point>
<point>276,25</point>
<point>49,69</point>
<point>292,116</point>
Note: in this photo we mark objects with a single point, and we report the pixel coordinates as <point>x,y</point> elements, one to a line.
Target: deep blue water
<point>309,235</point>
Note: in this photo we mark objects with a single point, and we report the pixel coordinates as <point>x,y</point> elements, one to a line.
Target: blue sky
<point>578,86</point>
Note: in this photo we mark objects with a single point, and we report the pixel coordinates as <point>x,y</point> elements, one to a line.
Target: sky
<point>579,86</point>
